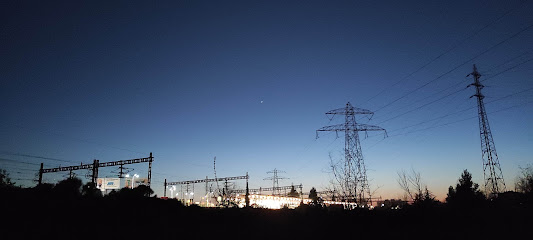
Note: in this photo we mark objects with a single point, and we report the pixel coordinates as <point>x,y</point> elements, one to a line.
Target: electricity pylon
<point>351,176</point>
<point>275,180</point>
<point>492,172</point>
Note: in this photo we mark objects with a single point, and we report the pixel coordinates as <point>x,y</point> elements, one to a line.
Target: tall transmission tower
<point>492,172</point>
<point>275,180</point>
<point>351,175</point>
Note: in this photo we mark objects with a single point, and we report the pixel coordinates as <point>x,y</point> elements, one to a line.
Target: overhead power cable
<point>465,119</point>
<point>449,114</point>
<point>508,69</point>
<point>76,139</point>
<point>12,160</point>
<point>463,110</point>
<point>418,108</point>
<point>456,67</point>
<point>448,50</point>
<point>452,93</point>
<point>34,156</point>
<point>508,61</point>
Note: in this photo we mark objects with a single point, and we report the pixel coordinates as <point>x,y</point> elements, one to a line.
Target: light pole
<point>172,190</point>
<point>133,179</point>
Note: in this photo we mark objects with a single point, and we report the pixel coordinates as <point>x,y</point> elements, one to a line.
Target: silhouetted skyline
<point>249,83</point>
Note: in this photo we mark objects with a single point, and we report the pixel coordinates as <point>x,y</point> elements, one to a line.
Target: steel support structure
<point>275,180</point>
<point>206,180</point>
<point>351,174</point>
<point>96,165</point>
<point>492,173</point>
<point>269,189</point>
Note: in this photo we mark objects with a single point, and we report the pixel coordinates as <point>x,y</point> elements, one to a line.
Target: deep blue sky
<point>249,82</point>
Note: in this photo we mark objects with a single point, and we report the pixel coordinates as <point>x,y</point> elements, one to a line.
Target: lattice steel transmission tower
<point>275,180</point>
<point>492,172</point>
<point>351,175</point>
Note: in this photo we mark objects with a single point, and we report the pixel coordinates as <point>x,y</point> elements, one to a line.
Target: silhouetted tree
<point>293,192</point>
<point>90,190</point>
<point>466,193</point>
<point>524,183</point>
<point>128,193</point>
<point>313,196</point>
<point>43,190</point>
<point>143,191</point>
<point>411,184</point>
<point>5,180</point>
<point>393,204</point>
<point>68,188</point>
<point>425,200</point>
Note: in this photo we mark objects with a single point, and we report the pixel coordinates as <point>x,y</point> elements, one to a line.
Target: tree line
<point>465,194</point>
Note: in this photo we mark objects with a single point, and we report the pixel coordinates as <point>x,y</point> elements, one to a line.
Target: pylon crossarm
<point>356,128</point>
<point>351,110</point>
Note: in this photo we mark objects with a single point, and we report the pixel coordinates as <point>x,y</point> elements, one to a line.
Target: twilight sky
<point>249,82</point>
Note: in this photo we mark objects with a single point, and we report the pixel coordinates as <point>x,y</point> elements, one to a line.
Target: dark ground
<point>37,216</point>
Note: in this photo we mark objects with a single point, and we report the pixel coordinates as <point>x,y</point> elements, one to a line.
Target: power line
<point>508,61</point>
<point>13,160</point>
<point>21,169</point>
<point>508,69</point>
<point>463,110</point>
<point>34,156</point>
<point>465,119</point>
<point>449,123</point>
<point>458,66</point>
<point>418,108</point>
<point>77,139</point>
<point>447,51</point>
<point>460,83</point>
<point>460,90</point>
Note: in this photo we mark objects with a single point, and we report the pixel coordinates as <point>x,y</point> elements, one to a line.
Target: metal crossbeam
<point>90,165</point>
<point>269,189</point>
<point>96,164</point>
<point>358,127</point>
<point>350,175</point>
<point>69,168</point>
<point>208,180</point>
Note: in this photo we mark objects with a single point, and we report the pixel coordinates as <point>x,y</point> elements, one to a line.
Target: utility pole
<point>247,196</point>
<point>71,174</point>
<point>165,189</point>
<point>492,172</point>
<point>351,176</point>
<point>95,171</point>
<point>275,180</point>
<point>41,174</point>
<point>151,159</point>
<point>121,173</point>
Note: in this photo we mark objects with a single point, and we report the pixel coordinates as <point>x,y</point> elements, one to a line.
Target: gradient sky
<point>249,82</point>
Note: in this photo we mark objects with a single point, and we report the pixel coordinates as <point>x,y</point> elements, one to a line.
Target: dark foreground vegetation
<point>69,210</point>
